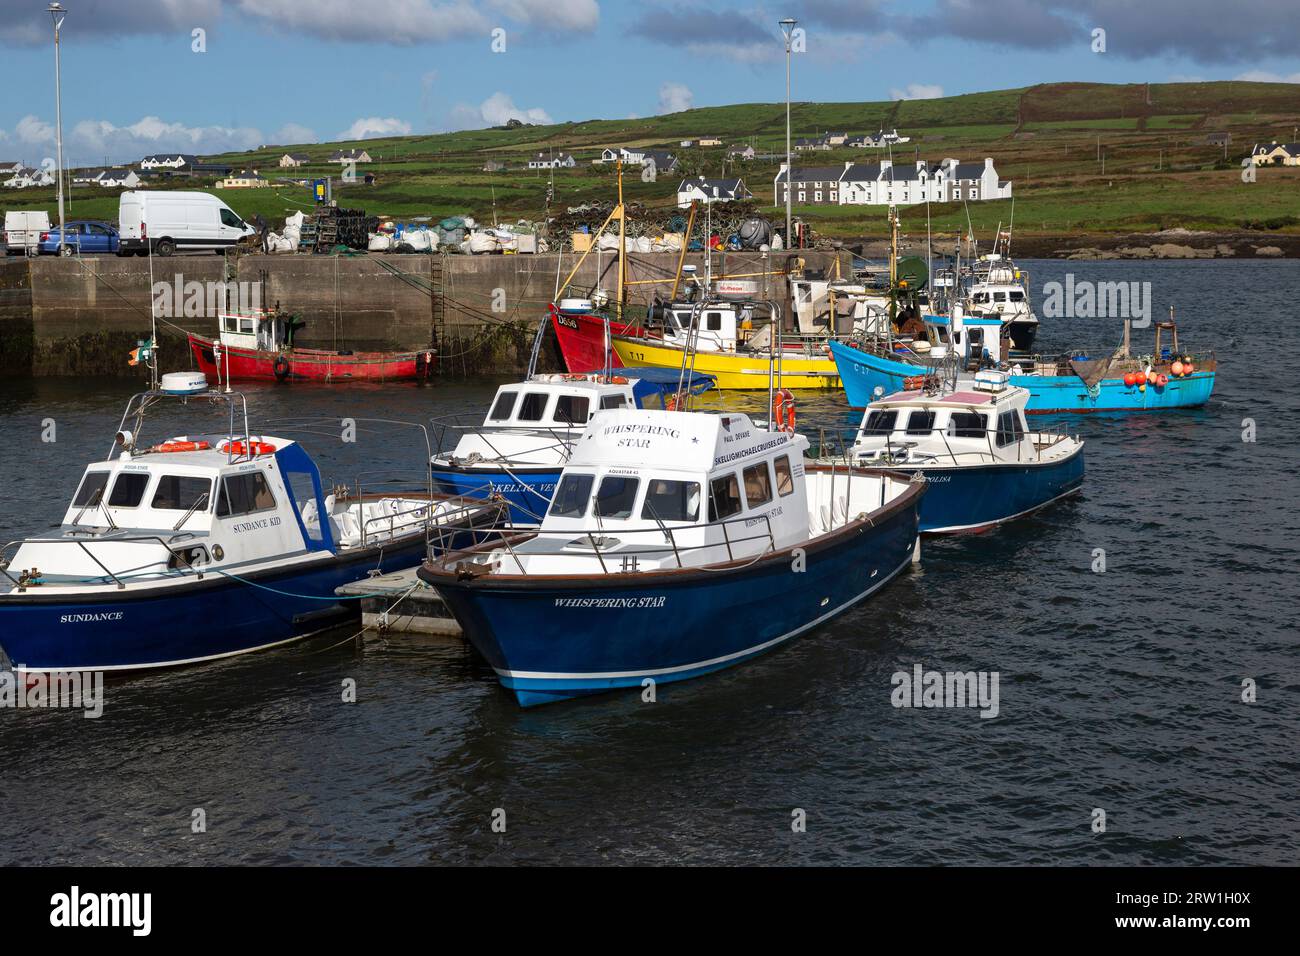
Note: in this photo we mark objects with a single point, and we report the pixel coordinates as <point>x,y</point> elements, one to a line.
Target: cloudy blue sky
<point>294,71</point>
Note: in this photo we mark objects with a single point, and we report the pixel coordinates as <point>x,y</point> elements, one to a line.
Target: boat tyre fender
<point>281,368</point>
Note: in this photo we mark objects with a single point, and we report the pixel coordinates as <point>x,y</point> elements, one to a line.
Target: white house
<point>886,183</point>
<point>293,159</point>
<point>116,178</point>
<point>353,155</point>
<point>745,152</point>
<point>243,179</point>
<point>710,190</point>
<point>548,160</point>
<point>10,168</point>
<point>168,161</point>
<point>1276,154</point>
<point>26,177</point>
<point>709,141</point>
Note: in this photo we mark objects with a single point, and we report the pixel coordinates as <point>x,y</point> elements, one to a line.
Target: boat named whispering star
<point>971,445</point>
<point>204,546</point>
<point>677,543</point>
<point>521,446</point>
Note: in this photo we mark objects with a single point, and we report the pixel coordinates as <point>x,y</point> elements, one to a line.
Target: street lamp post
<point>787,29</point>
<point>57,13</point>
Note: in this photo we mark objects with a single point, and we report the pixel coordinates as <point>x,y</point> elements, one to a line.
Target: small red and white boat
<point>259,345</point>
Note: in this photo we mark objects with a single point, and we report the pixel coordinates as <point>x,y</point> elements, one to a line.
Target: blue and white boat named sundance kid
<point>1114,381</point>
<point>982,465</point>
<point>521,446</point>
<point>203,546</point>
<point>678,543</point>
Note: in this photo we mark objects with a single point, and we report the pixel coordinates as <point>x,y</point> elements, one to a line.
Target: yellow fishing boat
<point>806,368</point>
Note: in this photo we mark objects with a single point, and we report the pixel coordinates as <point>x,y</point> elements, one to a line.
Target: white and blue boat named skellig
<point>677,543</point>
<point>203,546</point>
<point>982,465</point>
<point>521,446</point>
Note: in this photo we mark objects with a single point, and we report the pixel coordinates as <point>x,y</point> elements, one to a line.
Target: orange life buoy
<point>783,415</point>
<point>169,446</point>
<point>258,448</point>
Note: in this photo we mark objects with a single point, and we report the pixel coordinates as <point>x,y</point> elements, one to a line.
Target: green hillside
<point>1083,158</point>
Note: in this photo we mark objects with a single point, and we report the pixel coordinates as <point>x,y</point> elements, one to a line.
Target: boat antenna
<point>153,325</point>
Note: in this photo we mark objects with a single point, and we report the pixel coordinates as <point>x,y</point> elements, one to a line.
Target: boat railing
<point>240,435</point>
<point>180,556</point>
<point>454,427</point>
<point>621,559</point>
<point>1041,441</point>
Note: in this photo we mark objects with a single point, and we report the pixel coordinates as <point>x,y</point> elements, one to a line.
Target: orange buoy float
<point>1188,367</point>
<point>256,448</point>
<point>1162,380</point>
<point>170,446</point>
<point>1130,379</point>
<point>783,415</point>
<point>1177,368</point>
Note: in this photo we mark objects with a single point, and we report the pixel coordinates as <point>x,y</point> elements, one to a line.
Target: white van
<point>23,231</point>
<point>169,221</point>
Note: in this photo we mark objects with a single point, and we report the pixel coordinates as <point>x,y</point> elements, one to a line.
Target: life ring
<point>783,414</point>
<point>237,448</point>
<point>281,368</point>
<point>171,446</point>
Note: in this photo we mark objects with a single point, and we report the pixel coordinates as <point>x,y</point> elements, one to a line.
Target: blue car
<point>87,237</point>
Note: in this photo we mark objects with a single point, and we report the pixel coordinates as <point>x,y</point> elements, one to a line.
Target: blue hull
<point>216,617</point>
<point>528,492</point>
<point>550,642</point>
<point>862,373</point>
<point>961,500</point>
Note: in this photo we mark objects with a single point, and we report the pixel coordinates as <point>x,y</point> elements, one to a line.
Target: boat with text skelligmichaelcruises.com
<point>517,452</point>
<point>205,545</point>
<point>982,465</point>
<point>677,543</point>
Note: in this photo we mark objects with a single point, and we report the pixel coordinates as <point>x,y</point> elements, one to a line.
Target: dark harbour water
<point>1118,691</point>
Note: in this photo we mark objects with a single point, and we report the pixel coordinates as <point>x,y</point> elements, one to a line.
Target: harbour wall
<point>81,316</point>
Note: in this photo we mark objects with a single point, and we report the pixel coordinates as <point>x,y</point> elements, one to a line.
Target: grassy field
<point>1083,158</point>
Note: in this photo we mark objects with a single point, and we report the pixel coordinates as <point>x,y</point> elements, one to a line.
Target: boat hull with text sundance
<point>204,546</point>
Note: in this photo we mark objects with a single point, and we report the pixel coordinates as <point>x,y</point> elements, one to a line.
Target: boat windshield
<point>571,497</point>
<point>667,500</point>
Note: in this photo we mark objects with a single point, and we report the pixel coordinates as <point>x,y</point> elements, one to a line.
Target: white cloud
<point>90,141</point>
<point>369,127</point>
<point>399,22</point>
<point>291,133</point>
<point>1264,76</point>
<point>917,91</point>
<point>583,15</point>
<point>32,130</point>
<point>496,110</point>
<point>675,97</point>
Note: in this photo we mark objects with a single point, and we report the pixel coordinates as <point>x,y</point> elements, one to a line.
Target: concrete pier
<point>82,316</point>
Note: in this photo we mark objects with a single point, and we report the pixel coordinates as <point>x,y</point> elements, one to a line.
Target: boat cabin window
<point>879,422</point>
<point>667,500</point>
<point>1009,429</point>
<point>920,422</point>
<point>505,404</point>
<point>572,409</point>
<point>758,485</point>
<point>713,321</point>
<point>92,488</point>
<point>614,401</point>
<point>181,493</point>
<point>1017,296</point>
<point>571,497</point>
<point>244,494</point>
<point>231,323</point>
<point>128,490</point>
<point>966,425</point>
<point>784,477</point>
<point>533,407</point>
<point>724,498</point>
<point>999,297</point>
<point>616,496</point>
<point>981,297</point>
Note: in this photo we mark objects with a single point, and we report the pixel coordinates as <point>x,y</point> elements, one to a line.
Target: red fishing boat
<point>259,345</point>
<point>581,334</point>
